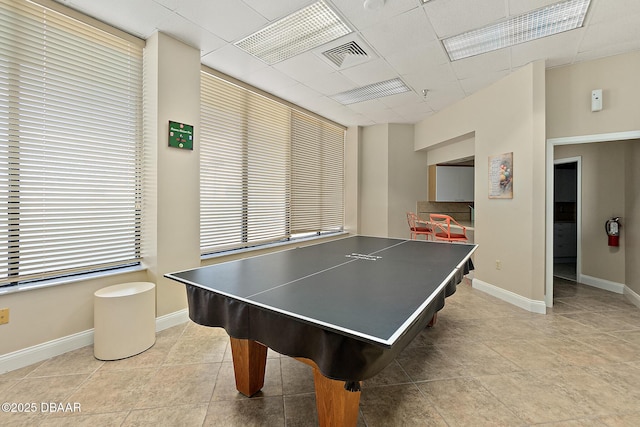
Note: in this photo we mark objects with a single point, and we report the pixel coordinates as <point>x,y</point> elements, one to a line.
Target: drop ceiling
<point>400,40</point>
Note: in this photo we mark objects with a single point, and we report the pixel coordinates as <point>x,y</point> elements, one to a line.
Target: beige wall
<point>374,197</point>
<point>176,69</point>
<point>505,117</point>
<point>569,114</point>
<point>603,171</point>
<point>569,97</point>
<point>41,315</point>
<point>393,177</point>
<point>352,172</point>
<point>458,148</point>
<point>631,219</point>
<point>407,178</point>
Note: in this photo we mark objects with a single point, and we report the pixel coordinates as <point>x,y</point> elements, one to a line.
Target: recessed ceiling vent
<point>345,52</point>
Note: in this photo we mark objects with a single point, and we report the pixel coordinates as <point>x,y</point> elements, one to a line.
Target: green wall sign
<point>180,135</point>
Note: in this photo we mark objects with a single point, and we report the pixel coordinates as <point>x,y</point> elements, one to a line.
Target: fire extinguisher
<point>612,227</point>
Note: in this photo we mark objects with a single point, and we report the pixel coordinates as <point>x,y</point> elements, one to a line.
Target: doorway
<point>549,163</point>
<point>566,212</point>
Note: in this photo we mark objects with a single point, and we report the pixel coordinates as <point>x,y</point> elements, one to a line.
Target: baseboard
<point>510,297</point>
<point>607,285</point>
<point>37,353</point>
<point>172,319</point>
<point>632,296</point>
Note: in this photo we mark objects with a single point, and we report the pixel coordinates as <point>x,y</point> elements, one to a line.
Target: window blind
<point>70,141</point>
<point>268,171</point>
<point>317,183</point>
<point>244,164</point>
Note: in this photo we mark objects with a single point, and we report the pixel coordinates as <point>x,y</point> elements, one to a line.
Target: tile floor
<point>565,270</point>
<point>485,363</point>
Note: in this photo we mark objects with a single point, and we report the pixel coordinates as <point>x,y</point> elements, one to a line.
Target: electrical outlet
<point>4,316</point>
<point>498,264</point>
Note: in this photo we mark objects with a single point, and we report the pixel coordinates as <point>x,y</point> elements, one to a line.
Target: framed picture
<point>180,135</point>
<point>501,176</point>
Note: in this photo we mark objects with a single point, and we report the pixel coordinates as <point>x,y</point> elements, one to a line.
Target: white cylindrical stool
<point>124,320</point>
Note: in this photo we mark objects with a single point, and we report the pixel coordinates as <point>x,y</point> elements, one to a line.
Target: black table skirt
<point>338,356</point>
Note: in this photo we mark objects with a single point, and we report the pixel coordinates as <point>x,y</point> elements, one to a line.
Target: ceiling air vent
<point>346,53</point>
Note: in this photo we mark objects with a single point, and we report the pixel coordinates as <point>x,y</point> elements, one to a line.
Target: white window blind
<point>317,175</point>
<point>267,171</point>
<point>244,164</point>
<point>70,141</point>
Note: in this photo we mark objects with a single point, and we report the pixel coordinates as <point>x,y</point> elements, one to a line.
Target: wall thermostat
<point>596,100</point>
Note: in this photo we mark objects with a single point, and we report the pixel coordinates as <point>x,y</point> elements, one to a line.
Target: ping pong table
<point>346,307</point>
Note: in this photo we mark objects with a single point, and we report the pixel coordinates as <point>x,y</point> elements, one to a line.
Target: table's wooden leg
<point>433,320</point>
<point>249,364</point>
<point>336,406</point>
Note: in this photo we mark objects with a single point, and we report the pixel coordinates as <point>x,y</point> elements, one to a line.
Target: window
<point>70,141</point>
<point>268,172</point>
<point>317,175</point>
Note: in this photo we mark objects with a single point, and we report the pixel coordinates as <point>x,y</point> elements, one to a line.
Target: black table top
<point>367,288</point>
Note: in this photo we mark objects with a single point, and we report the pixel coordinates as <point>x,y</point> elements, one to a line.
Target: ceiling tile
<point>623,30</point>
<point>269,79</point>
<point>559,49</point>
<point>299,93</point>
<point>363,18</point>
<point>304,67</point>
<point>323,103</point>
<point>368,107</point>
<point>385,115</point>
<point>140,17</point>
<point>399,32</point>
<point>169,4</point>
<point>497,60</point>
<point>229,20</point>
<point>598,53</point>
<point>371,72</point>
<point>180,28</point>
<point>233,61</point>
<point>330,84</point>
<point>274,10</point>
<point>519,7</point>
<point>473,84</point>
<point>429,78</point>
<point>610,10</point>
<point>409,100</point>
<point>444,95</point>
<point>415,106</point>
<point>417,57</point>
<point>453,17</point>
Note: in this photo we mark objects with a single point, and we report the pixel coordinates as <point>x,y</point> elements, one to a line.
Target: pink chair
<point>442,229</point>
<point>418,226</point>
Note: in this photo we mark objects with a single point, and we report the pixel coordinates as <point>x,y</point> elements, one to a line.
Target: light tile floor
<point>485,363</point>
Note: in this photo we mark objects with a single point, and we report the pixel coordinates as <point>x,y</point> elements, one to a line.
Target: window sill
<point>70,279</point>
<point>269,246</point>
